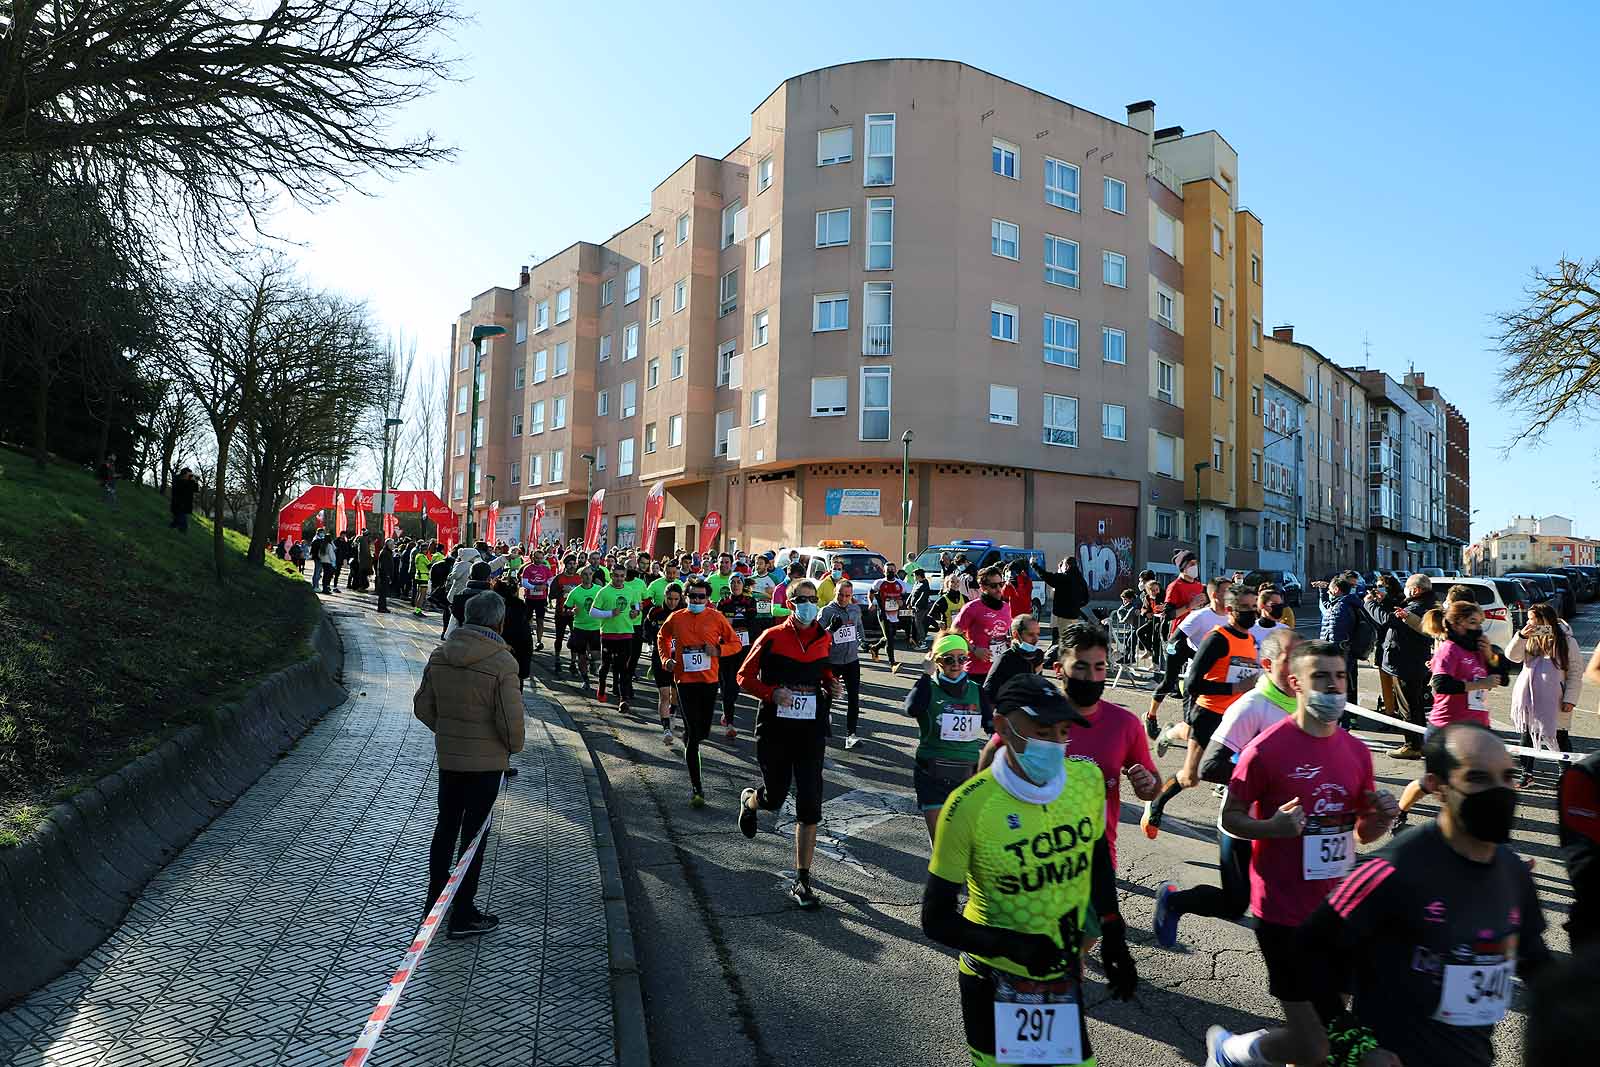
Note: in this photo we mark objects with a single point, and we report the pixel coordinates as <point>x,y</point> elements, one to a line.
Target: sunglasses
<point>802,600</point>
<point>948,661</point>
<point>697,596</point>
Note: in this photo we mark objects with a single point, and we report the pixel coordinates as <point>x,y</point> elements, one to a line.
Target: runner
<point>585,637</point>
<point>1224,668</point>
<point>842,620</point>
<point>661,670</point>
<point>694,641</point>
<point>889,601</point>
<point>422,569</point>
<point>617,611</point>
<point>535,579</point>
<point>1026,839</point>
<point>1023,656</point>
<point>1304,792</point>
<point>1435,923</point>
<point>636,587</point>
<point>670,575</point>
<point>1268,704</point>
<point>1189,631</point>
<point>1178,602</point>
<point>719,580</point>
<point>986,624</point>
<point>826,589</point>
<point>561,587</point>
<point>739,608</point>
<point>950,727</point>
<point>787,670</point>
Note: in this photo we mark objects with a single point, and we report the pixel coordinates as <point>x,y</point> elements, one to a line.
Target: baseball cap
<point>1042,701</point>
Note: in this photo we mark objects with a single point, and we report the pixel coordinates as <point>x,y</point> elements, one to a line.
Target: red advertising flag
<point>591,529</point>
<point>655,505</point>
<point>536,524</point>
<point>709,530</point>
<point>494,522</point>
<point>338,515</point>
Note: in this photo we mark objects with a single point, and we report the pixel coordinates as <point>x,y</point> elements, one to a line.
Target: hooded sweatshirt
<point>461,572</point>
<point>470,699</point>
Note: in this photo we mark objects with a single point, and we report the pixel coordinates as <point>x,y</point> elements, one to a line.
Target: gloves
<point>1121,977</point>
<point>1036,952</point>
<point>838,621</point>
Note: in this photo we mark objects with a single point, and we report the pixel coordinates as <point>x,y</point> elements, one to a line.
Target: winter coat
<point>183,491</point>
<point>470,699</point>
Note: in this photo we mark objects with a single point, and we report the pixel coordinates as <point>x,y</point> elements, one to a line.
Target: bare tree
<point>175,422</point>
<point>422,436</point>
<point>1551,349</point>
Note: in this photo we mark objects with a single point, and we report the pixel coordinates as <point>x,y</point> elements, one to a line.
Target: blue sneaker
<point>1215,1057</point>
<point>1166,920</point>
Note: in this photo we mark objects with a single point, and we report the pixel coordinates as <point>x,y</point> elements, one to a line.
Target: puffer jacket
<point>471,700</point>
<point>461,573</point>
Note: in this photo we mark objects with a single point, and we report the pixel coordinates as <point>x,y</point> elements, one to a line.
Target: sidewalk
<point>270,938</point>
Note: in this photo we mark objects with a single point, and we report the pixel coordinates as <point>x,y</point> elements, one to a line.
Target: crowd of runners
<point>1407,954</point>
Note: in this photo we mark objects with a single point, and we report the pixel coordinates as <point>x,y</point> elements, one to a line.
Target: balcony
<point>877,340</point>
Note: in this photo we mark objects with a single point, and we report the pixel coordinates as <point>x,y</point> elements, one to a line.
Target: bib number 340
<point>1474,994</point>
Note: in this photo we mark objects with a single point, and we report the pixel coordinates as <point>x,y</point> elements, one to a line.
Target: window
<point>1216,380</point>
<point>1060,420</point>
<point>728,292</point>
<point>763,249</point>
<point>1166,524</point>
<point>1003,404</point>
<point>1255,466</point>
<point>655,310</point>
<point>1167,234</point>
<point>1060,261</point>
<point>835,146</point>
<point>1216,453</point>
<point>558,415</point>
<point>541,365</point>
<point>536,418</point>
<point>630,286</point>
<point>1113,345</point>
<point>1255,268</point>
<point>479,380</point>
<point>875,403</point>
<point>658,245</point>
<point>1166,374</point>
<point>516,472</point>
<point>680,295</point>
<point>728,365</point>
<point>625,457</point>
<point>880,233</point>
<point>649,438</point>
<point>1061,184</point>
<point>830,311</point>
<point>459,486</point>
<point>652,373</point>
<point>535,476</point>
<point>519,377</point>
<point>880,151</point>
<point>829,396</point>
<point>516,425</point>
<point>557,466</point>
<point>541,316</point>
<point>1114,268</point>
<point>833,227</point>
<point>1005,239</point>
<point>1060,341</point>
<point>1255,400</point>
<point>677,361</point>
<point>759,329</point>
<point>1003,322</point>
<point>683,228</point>
<point>1218,310</point>
<point>477,432</point>
<point>601,457</point>
<point>461,442</point>
<point>1255,333</point>
<point>675,431</point>
<point>1165,308</point>
<point>608,290</point>
<point>630,400</point>
<point>733,219</point>
<point>563,306</point>
<point>1003,158</point>
<point>563,351</point>
<point>522,330</point>
<point>1166,455</point>
<point>630,341</point>
<point>605,348</point>
<point>466,357</point>
<point>724,431</point>
<point>1216,239</point>
<point>1113,422</point>
<point>461,400</point>
<point>763,183</point>
<point>758,407</point>
<point>602,402</point>
<point>877,329</point>
<point>1115,195</point>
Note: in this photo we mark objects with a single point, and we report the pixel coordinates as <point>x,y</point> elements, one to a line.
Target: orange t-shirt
<point>684,631</point>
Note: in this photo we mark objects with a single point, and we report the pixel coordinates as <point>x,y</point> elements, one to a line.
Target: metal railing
<point>877,340</point>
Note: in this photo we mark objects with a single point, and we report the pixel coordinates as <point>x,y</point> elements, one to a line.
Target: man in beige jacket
<point>471,699</point>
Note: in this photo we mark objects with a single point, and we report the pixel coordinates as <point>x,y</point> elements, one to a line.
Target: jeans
<point>465,800</point>
<point>180,520</point>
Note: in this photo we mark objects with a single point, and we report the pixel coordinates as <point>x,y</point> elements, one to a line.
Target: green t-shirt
<point>719,587</point>
<point>939,737</point>
<point>656,592</point>
<point>636,590</point>
<point>618,602</point>
<point>578,602</point>
<point>1024,865</point>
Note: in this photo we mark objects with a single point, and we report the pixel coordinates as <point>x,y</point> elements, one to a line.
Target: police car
<point>983,553</point>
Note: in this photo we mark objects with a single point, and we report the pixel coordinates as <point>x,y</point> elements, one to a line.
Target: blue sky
<point>1412,163</point>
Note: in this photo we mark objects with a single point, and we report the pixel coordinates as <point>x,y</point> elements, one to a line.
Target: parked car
<point>1534,593</point>
<point>1557,590</point>
<point>1432,572</point>
<point>983,553</point>
<point>1286,581</point>
<point>1582,585</point>
<point>1499,614</point>
<point>1594,581</point>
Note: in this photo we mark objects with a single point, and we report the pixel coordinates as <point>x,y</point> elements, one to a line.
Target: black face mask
<point>1467,640</point>
<point>1489,814</point>
<point>992,601</point>
<point>1083,692</point>
<point>1275,612</point>
<point>1244,619</point>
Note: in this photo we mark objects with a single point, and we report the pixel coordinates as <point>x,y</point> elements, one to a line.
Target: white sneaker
<point>851,740</point>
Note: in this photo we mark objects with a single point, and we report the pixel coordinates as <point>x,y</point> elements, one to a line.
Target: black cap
<point>479,572</point>
<point>1039,698</point>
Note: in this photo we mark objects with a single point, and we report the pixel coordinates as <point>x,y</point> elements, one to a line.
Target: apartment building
<point>899,249</point>
<point>1283,478</point>
<point>1405,449</point>
<point>1334,430</point>
<point>1451,482</point>
<point>1530,543</point>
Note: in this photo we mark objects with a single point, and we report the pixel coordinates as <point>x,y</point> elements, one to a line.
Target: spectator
<point>1019,588</point>
<point>1404,654</point>
<point>184,488</point>
<point>343,553</point>
<point>477,582</point>
<point>516,631</point>
<point>385,574</point>
<point>297,556</point>
<point>1549,685</point>
<point>329,555</point>
<point>470,699</point>
<point>1341,612</point>
<point>1071,593</point>
<point>108,480</point>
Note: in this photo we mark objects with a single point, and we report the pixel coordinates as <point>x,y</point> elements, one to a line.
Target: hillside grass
<point>114,633</point>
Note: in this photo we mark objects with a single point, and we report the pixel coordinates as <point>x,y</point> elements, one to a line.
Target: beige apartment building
<point>899,247</point>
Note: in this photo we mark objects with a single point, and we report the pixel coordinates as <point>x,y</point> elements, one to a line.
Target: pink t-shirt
<point>1329,775</point>
<point>1114,742</point>
<point>984,627</point>
<point>1456,662</point>
<point>537,576</point>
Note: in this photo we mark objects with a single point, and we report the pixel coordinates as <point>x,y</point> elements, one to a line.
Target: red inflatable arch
<point>327,498</point>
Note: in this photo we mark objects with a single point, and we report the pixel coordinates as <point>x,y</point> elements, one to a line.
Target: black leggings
<point>850,674</point>
<point>1230,900</point>
<point>889,627</point>
<point>728,675</point>
<point>614,652</point>
<point>634,652</point>
<point>1177,661</point>
<point>563,624</point>
<point>1563,743</point>
<point>697,699</point>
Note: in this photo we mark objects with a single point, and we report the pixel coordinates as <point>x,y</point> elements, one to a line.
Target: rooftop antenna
<point>1366,347</point>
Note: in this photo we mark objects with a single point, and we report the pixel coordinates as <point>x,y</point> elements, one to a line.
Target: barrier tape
<point>1515,750</point>
<point>419,945</point>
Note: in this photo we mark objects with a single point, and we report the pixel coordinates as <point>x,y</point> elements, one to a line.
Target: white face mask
<point>1191,571</point>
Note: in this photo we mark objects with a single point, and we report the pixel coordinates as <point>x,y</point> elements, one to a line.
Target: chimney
<point>1170,133</point>
<point>1283,333</point>
<point>1142,116</point>
<point>524,275</point>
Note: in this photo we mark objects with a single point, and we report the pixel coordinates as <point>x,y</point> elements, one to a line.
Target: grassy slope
<point>114,633</point>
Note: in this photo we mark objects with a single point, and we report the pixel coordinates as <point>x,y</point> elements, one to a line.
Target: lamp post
<point>1199,537</point>
<point>383,519</point>
<point>479,334</point>
<point>588,457</point>
<point>905,498</point>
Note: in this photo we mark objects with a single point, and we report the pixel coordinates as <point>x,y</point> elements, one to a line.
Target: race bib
<point>961,723</point>
<point>1241,669</point>
<point>763,607</point>
<point>799,706</point>
<point>744,637</point>
<point>1478,700</point>
<point>696,660</point>
<point>1036,1022</point>
<point>844,635</point>
<point>1475,994</point>
<point>891,608</point>
<point>997,649</point>
<point>1328,852</point>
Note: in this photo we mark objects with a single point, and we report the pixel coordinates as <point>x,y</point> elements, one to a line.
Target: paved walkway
<point>269,939</point>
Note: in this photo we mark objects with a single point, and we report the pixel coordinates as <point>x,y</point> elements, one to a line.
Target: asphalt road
<point>734,974</point>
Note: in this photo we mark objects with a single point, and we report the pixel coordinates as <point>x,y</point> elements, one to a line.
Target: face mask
<point>1275,612</point>
<point>837,574</point>
<point>805,613</point>
<point>1488,815</point>
<point>1244,619</point>
<point>696,606</point>
<point>991,601</point>
<point>1191,571</point>
<point>1326,707</point>
<point>1084,692</point>
<point>949,681</point>
<point>1042,760</point>
<point>1026,647</point>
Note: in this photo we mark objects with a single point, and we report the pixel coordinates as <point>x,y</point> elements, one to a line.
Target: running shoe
<point>894,668</point>
<point>1219,791</point>
<point>1215,1057</point>
<point>800,892</point>
<point>600,694</point>
<point>472,926</point>
<point>417,612</point>
<point>1409,750</point>
<point>1152,727</point>
<point>729,731</point>
<point>666,735</point>
<point>1166,920</point>
<point>747,816</point>
<point>697,800</point>
<point>851,740</point>
<point>1163,745</point>
<point>1150,821</point>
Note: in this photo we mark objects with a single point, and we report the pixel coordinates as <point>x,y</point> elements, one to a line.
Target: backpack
<point>1363,635</point>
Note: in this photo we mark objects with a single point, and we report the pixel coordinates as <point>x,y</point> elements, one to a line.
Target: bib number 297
<point>1036,1033</point>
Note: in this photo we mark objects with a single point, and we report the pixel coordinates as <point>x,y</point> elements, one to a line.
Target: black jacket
<point>458,606</point>
<point>183,491</point>
<point>1402,651</point>
<point>516,634</point>
<point>1072,592</point>
<point>1012,662</point>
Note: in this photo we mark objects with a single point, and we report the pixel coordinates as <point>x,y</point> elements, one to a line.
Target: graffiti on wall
<point>1105,562</point>
<point>1105,537</point>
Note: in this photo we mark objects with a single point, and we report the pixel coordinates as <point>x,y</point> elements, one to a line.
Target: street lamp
<point>479,334</point>
<point>588,457</point>
<point>1199,538</point>
<point>905,499</point>
<point>383,521</point>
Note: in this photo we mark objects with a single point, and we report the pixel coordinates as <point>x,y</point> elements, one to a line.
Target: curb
<point>68,885</point>
<point>627,993</point>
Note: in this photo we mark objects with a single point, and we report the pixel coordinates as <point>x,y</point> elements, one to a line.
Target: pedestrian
<point>1571,666</point>
<point>439,589</point>
<point>535,579</point>
<point>842,621</point>
<point>920,606</point>
<point>739,608</point>
<point>477,582</point>
<point>107,476</point>
<point>515,629</point>
<point>386,571</point>
<point>1403,655</point>
<point>889,597</point>
<point>297,556</point>
<point>184,488</point>
<point>329,555</point>
<point>661,668</point>
<point>617,610</point>
<point>1071,593</point>
<point>585,638</point>
<point>985,623</point>
<point>470,699</point>
<point>1019,587</point>
<point>1184,594</point>
<point>422,562</point>
<point>1544,689</point>
<point>1341,615</point>
<point>951,725</point>
<point>1023,656</point>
